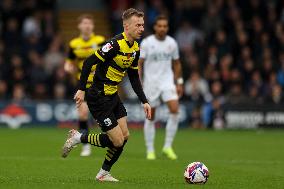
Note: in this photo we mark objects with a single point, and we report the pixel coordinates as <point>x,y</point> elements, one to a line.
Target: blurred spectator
<point>197,91</point>
<point>254,96</point>
<point>17,73</point>
<point>39,91</point>
<point>247,69</point>
<point>12,39</point>
<point>53,57</point>
<point>241,41</point>
<point>212,56</point>
<point>276,96</point>
<point>192,63</point>
<point>222,42</point>
<point>3,69</point>
<point>211,21</point>
<point>196,88</point>
<point>3,90</point>
<point>245,56</point>
<point>37,76</point>
<point>267,68</point>
<point>179,10</point>
<point>117,8</point>
<point>31,25</point>
<point>2,47</point>
<point>48,25</point>
<point>33,43</point>
<point>18,94</point>
<point>256,81</point>
<point>272,81</point>
<point>236,95</point>
<point>226,63</point>
<point>280,73</point>
<point>59,77</point>
<point>59,91</point>
<point>213,115</point>
<point>187,36</point>
<point>156,8</point>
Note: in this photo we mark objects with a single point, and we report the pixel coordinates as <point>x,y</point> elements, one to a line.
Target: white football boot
<point>86,150</point>
<point>72,140</point>
<point>105,176</point>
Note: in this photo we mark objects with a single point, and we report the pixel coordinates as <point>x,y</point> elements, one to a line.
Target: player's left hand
<point>179,90</point>
<point>69,67</point>
<point>79,97</point>
<point>147,110</point>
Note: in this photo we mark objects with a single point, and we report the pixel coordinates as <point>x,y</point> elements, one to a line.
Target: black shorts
<point>106,109</point>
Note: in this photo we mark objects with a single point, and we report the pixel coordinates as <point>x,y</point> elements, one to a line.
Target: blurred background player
<point>79,49</point>
<point>161,80</point>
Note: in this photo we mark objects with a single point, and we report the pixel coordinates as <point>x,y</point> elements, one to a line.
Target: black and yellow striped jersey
<point>80,49</point>
<point>116,58</point>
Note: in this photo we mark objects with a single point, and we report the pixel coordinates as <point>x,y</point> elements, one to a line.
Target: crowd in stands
<point>31,51</point>
<point>232,51</point>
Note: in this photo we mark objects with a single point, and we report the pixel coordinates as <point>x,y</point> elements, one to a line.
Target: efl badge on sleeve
<point>106,47</point>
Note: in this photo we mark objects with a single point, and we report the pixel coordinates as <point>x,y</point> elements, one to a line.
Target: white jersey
<point>157,67</point>
<point>158,76</point>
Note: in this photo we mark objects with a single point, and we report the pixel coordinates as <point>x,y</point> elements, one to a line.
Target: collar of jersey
<point>92,35</point>
<point>127,41</point>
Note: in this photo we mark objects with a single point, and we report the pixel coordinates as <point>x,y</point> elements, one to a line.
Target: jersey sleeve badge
<point>107,47</point>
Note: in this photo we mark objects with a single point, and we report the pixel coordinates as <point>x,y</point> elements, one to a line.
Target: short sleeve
<point>143,49</point>
<point>175,53</point>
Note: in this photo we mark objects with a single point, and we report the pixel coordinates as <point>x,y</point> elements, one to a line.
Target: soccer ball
<point>196,173</point>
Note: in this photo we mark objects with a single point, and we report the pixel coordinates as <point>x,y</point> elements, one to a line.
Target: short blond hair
<point>131,12</point>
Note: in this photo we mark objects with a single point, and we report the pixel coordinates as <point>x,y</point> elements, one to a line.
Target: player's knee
<point>83,117</point>
<point>126,135</point>
<point>83,114</point>
<point>118,142</point>
<point>174,109</point>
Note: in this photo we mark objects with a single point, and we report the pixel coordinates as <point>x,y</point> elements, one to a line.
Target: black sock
<point>112,155</point>
<point>83,127</point>
<point>100,140</point>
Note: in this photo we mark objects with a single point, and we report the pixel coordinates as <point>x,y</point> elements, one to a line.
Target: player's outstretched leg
<point>74,138</point>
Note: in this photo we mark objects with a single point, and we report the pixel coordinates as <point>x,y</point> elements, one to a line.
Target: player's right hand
<point>69,67</point>
<point>79,97</point>
<point>147,110</point>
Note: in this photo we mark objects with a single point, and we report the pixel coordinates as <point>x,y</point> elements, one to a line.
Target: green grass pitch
<point>30,158</point>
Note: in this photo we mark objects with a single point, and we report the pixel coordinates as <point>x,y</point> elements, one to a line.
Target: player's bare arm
<point>178,76</point>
